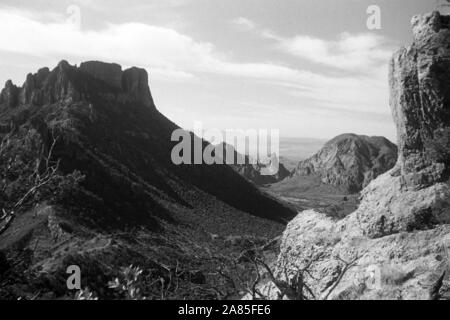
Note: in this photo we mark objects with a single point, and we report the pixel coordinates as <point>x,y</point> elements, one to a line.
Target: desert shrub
<point>394,276</point>
<point>85,294</point>
<point>3,262</point>
<point>129,284</point>
<point>29,175</point>
<point>325,237</point>
<point>62,189</point>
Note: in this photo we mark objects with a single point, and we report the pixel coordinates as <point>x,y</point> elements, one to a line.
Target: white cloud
<point>244,23</point>
<point>173,55</point>
<point>352,52</point>
<point>161,49</point>
<point>158,48</point>
<point>363,52</point>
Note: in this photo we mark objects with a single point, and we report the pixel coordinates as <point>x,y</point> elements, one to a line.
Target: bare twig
<point>347,266</point>
<point>39,181</point>
<point>436,287</point>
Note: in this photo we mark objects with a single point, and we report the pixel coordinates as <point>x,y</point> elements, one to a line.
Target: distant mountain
<point>254,171</point>
<point>349,161</point>
<point>133,205</point>
<point>294,150</point>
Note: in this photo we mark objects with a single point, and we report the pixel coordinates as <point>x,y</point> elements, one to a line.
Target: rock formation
<point>420,98</point>
<point>9,95</point>
<point>69,82</point>
<point>110,73</point>
<point>97,91</point>
<point>350,161</point>
<point>135,83</point>
<point>396,244</point>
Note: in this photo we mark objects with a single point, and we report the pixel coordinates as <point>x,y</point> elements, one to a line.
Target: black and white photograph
<point>252,152</point>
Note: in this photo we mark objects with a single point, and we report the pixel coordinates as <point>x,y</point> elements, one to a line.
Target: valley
<point>92,175</point>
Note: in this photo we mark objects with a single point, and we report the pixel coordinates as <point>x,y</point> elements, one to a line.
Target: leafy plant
<point>129,283</point>
<point>85,294</point>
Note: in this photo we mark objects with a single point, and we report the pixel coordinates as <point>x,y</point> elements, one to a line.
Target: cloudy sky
<point>307,67</point>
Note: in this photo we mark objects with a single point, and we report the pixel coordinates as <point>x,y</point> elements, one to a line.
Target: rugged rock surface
<point>350,161</point>
<point>135,83</point>
<point>106,80</point>
<point>9,95</point>
<point>111,73</point>
<point>398,241</point>
<point>134,205</point>
<point>420,99</point>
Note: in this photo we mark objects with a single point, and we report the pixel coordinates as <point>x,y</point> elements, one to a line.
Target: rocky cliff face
<point>420,99</point>
<point>350,161</point>
<point>106,81</point>
<point>9,95</point>
<point>396,244</point>
<point>110,73</point>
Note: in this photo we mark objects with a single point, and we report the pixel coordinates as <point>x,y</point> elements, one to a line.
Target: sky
<point>306,67</point>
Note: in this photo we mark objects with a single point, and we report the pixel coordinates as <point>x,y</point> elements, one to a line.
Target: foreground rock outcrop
<point>350,161</point>
<point>396,245</point>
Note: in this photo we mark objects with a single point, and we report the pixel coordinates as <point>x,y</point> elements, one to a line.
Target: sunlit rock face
<point>350,161</point>
<point>420,101</point>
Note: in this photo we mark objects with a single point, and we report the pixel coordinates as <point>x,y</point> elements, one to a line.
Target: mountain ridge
<point>68,84</point>
<point>115,197</point>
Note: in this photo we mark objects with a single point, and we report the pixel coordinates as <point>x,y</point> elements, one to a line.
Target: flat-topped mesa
<point>420,101</point>
<point>69,83</point>
<point>132,81</point>
<point>111,73</point>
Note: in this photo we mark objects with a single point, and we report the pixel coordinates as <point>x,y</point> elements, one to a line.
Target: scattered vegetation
<point>29,174</point>
<point>246,275</point>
